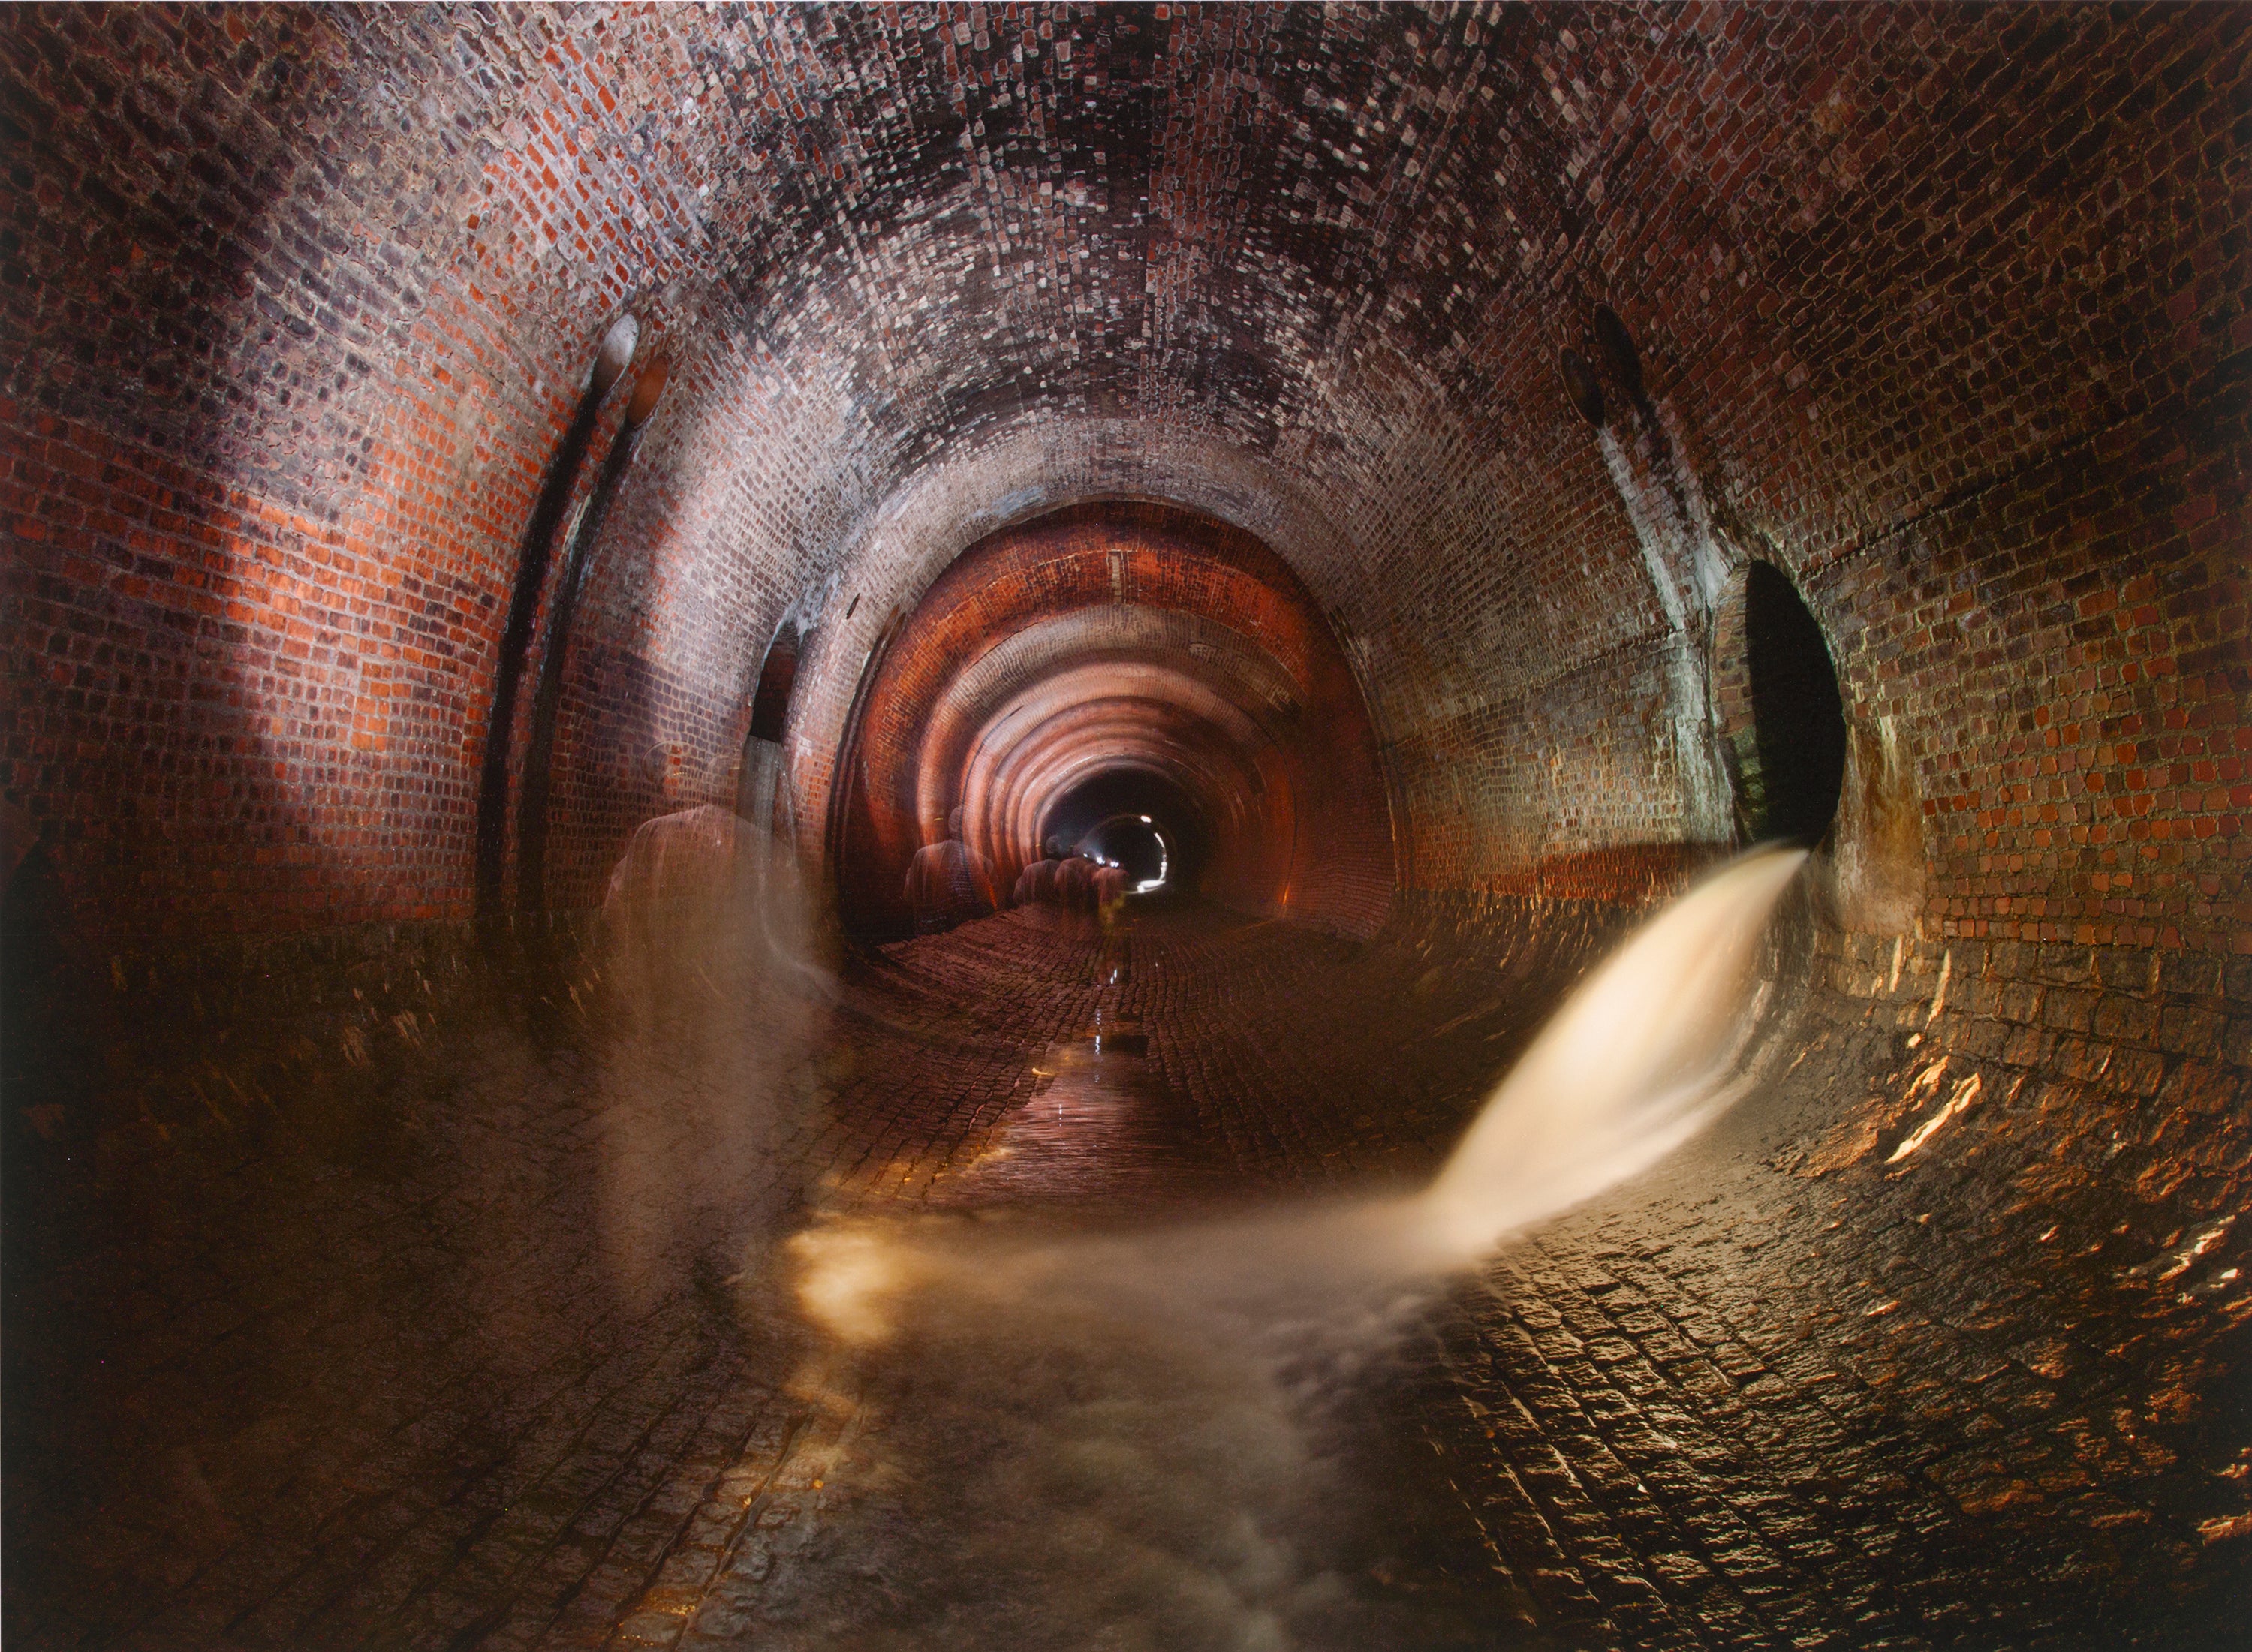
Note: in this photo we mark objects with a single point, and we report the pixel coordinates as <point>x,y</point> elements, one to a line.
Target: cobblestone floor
<point>422,1384</point>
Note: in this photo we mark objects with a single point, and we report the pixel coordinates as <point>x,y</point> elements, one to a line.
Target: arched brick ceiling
<point>1121,636</point>
<point>1108,678</point>
<point>986,697</point>
<point>300,300</point>
<point>1102,717</point>
<point>1004,709</point>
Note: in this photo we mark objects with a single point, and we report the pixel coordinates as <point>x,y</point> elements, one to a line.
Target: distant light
<point>1145,820</point>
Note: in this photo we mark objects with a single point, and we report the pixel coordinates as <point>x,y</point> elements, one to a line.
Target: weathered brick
<point>1939,312</point>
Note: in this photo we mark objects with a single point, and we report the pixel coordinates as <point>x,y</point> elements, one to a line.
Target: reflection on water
<point>1150,1437</point>
<point>1102,1124</point>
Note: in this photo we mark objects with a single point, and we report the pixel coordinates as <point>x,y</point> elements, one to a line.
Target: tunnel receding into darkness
<point>1336,826</point>
<point>1119,658</point>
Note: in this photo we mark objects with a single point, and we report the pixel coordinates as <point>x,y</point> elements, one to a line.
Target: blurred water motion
<point>1647,1051</point>
<point>708,947</point>
<point>1140,1439</point>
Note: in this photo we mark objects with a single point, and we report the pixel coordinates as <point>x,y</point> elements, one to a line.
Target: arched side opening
<point>770,705</point>
<point>538,771</point>
<point>1783,717</point>
<point>762,791</point>
<point>612,358</point>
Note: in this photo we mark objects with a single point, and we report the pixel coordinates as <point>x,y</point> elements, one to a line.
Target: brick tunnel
<point>773,773</point>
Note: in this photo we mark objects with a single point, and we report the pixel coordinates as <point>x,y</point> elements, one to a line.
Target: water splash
<point>1644,1054</point>
<point>1141,1439</point>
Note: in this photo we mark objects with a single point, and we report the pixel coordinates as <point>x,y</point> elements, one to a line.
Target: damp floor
<point>422,1387</point>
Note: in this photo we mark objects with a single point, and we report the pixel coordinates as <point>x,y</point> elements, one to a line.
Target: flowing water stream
<point>1147,1439</point>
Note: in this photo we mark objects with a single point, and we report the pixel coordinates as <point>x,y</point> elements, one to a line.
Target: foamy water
<point>1643,1055</point>
<point>1133,1439</point>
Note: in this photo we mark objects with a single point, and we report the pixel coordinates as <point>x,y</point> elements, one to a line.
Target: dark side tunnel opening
<point>1799,720</point>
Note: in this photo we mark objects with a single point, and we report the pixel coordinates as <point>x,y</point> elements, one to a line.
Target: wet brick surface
<point>1793,1389</point>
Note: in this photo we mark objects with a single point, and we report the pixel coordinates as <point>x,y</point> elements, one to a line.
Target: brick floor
<point>274,1387</point>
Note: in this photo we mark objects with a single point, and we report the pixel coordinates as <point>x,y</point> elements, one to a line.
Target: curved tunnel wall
<point>292,351</point>
<point>1941,312</point>
<point>1112,636</point>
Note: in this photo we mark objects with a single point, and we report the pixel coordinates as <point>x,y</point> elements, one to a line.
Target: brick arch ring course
<point>1120,634</point>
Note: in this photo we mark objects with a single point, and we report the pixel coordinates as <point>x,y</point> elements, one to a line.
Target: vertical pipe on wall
<point>610,361</point>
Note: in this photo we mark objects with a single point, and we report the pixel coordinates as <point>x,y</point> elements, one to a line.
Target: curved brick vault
<point>1303,271</point>
<point>1362,421</point>
<point>1109,637</point>
<point>294,349</point>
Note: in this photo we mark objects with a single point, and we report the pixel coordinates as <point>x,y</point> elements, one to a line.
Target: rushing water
<point>1145,1438</point>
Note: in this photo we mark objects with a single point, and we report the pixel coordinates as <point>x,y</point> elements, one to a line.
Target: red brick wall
<point>288,363</point>
<point>1313,837</point>
<point>263,481</point>
<point>1943,310</point>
